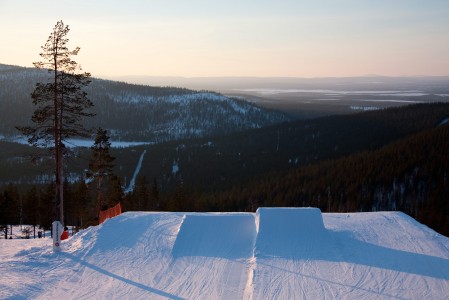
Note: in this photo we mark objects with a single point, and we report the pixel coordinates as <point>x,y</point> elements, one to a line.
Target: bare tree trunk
<point>60,150</point>
<point>61,189</point>
<point>58,161</point>
<point>99,193</point>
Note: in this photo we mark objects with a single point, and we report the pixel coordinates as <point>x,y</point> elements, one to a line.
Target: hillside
<point>410,175</point>
<point>136,112</point>
<point>315,97</point>
<point>215,164</point>
<point>273,254</point>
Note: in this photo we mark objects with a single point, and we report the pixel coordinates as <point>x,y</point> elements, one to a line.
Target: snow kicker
<point>222,235</point>
<point>283,232</point>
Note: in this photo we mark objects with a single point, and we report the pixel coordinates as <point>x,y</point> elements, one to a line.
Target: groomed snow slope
<point>277,253</point>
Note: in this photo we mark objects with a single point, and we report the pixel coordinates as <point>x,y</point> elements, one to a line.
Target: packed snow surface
<point>276,253</point>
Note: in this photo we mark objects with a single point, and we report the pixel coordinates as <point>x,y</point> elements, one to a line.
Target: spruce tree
<point>82,203</point>
<point>61,105</point>
<point>154,196</point>
<point>100,165</point>
<point>141,194</point>
<point>114,190</point>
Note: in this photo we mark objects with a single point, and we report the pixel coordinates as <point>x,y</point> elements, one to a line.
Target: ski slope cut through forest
<point>132,182</point>
<point>276,253</point>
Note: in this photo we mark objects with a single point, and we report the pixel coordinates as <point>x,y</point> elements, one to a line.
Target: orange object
<point>110,213</point>
<point>64,235</point>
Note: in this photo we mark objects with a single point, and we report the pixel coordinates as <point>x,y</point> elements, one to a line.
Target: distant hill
<point>430,84</point>
<point>136,112</point>
<point>215,163</point>
<point>315,97</point>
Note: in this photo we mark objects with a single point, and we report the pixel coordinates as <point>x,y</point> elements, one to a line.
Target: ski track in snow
<point>277,253</point>
<point>132,182</point>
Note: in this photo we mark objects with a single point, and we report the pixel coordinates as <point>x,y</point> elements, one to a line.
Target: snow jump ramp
<point>289,232</point>
<point>228,236</point>
<point>278,232</point>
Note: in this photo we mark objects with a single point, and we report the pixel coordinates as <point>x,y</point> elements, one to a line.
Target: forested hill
<point>221,162</point>
<point>135,112</point>
<point>409,175</point>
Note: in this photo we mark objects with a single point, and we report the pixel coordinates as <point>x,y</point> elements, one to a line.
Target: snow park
<point>275,253</point>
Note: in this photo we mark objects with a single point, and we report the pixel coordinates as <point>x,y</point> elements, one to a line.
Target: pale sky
<point>278,38</point>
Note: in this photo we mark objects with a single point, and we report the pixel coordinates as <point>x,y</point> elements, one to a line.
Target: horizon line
<point>109,77</point>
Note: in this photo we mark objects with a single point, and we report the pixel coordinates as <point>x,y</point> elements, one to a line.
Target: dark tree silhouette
<point>61,105</point>
<point>100,165</point>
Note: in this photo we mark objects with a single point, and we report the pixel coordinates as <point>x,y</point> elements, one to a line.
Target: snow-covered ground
<point>276,253</point>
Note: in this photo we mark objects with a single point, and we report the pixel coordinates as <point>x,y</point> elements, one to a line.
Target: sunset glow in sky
<point>190,38</point>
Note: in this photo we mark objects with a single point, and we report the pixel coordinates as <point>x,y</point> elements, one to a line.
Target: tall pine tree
<point>61,105</point>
